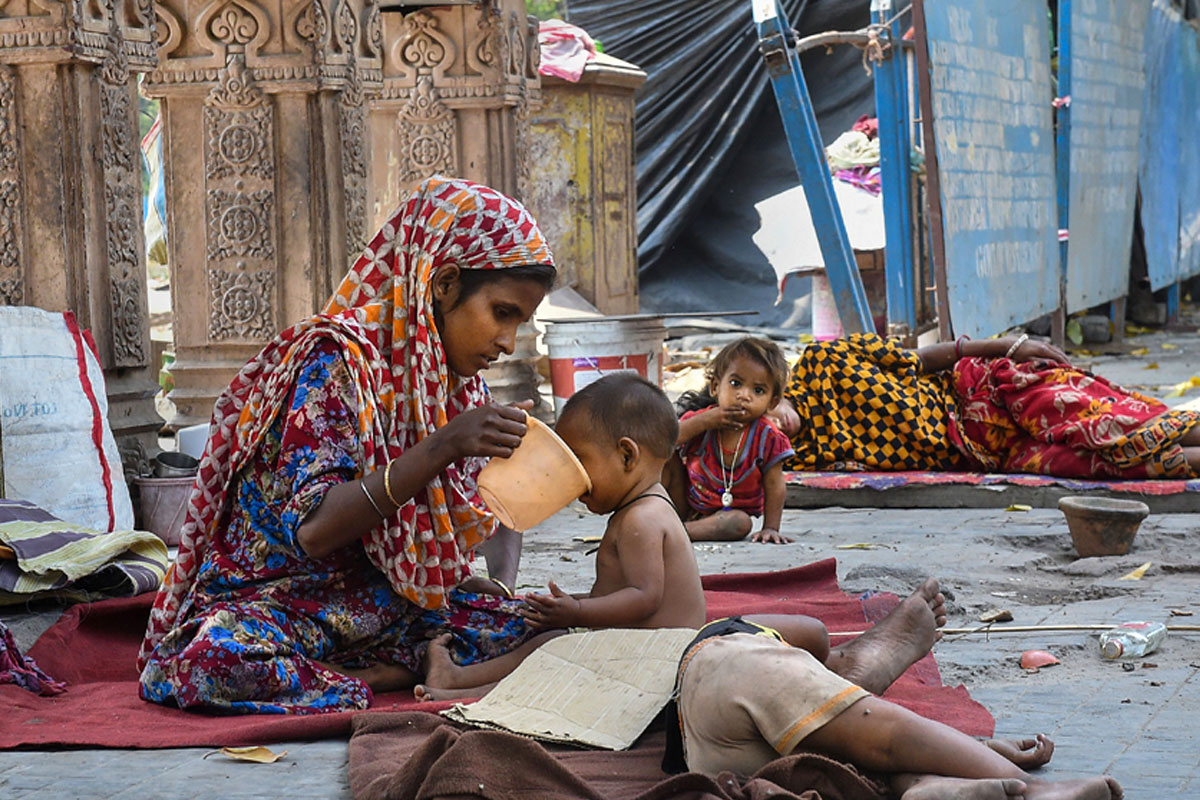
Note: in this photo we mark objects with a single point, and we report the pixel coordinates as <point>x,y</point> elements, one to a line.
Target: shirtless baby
<point>623,429</point>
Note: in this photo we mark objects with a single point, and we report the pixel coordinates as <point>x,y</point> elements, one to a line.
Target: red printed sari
<point>1052,419</point>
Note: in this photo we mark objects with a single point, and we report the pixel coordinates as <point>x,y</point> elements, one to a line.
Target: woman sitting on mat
<point>998,405</point>
<point>329,535</point>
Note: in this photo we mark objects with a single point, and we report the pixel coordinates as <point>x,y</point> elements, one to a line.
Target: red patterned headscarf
<point>382,316</point>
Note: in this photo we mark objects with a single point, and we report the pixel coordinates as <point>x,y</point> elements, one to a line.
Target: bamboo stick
<point>1025,629</point>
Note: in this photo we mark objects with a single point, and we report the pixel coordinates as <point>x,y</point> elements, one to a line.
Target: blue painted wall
<point>1107,51</point>
<point>1189,149</point>
<point>993,123</point>
<point>1158,175</point>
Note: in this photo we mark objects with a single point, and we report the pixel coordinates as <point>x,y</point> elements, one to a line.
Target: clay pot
<point>1102,526</point>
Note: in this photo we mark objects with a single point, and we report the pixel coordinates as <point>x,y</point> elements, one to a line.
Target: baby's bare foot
<point>1025,753</point>
<point>936,787</point>
<point>440,670</point>
<point>877,658</point>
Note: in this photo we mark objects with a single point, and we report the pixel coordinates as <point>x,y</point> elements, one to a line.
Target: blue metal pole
<point>776,41</point>
<point>895,144</point>
<point>1062,143</point>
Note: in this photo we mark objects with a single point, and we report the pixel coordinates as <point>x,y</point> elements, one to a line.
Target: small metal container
<point>169,464</point>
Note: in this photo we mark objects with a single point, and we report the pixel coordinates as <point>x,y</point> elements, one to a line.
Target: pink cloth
<point>566,49</point>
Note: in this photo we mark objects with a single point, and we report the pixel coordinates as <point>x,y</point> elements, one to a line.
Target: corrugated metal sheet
<point>1107,47</point>
<point>1158,175</point>
<point>1189,148</point>
<point>990,67</point>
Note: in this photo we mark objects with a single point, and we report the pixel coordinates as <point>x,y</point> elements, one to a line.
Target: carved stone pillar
<point>70,182</point>
<point>584,191</point>
<point>458,84</point>
<point>265,165</point>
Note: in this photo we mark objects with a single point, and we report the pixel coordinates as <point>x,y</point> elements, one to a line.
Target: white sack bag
<point>58,450</point>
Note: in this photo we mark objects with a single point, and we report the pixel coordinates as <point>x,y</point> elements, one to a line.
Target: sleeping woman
<point>998,405</point>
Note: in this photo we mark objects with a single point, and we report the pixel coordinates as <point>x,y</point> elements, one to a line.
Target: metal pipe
<point>933,194</point>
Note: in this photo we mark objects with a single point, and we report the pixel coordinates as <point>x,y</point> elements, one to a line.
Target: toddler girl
<point>728,466</point>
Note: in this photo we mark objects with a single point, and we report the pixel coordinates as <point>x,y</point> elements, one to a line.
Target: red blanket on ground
<point>93,648</point>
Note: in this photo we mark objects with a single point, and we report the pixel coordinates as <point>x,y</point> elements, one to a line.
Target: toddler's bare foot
<point>877,658</point>
<point>440,670</point>
<point>1025,753</point>
<point>723,526</point>
<point>936,787</point>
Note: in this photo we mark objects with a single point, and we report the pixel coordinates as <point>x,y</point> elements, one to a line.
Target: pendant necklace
<point>727,478</point>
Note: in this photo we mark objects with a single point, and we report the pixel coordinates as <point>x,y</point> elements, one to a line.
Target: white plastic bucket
<point>583,352</point>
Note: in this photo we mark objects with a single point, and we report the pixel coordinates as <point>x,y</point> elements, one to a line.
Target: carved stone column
<point>265,165</point>
<point>70,182</point>
<point>458,84</point>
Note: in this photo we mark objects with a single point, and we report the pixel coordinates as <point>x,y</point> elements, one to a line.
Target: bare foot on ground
<point>1025,753</point>
<point>877,658</point>
<point>1102,787</point>
<point>723,526</point>
<point>440,670</point>
<point>936,787</point>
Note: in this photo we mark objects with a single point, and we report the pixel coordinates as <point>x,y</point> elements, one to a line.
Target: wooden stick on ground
<point>989,629</point>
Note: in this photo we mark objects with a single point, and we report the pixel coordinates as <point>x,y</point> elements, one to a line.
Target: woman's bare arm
<point>345,515</point>
<point>943,355</point>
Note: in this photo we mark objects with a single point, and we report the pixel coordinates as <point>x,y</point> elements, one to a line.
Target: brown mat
<point>411,756</point>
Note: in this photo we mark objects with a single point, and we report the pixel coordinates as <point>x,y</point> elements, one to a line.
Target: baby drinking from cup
<point>623,429</point>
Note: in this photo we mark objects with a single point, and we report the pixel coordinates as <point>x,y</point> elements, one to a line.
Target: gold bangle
<point>387,483</point>
<point>501,584</point>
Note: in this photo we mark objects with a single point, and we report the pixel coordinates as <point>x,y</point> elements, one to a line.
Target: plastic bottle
<point>1132,639</point>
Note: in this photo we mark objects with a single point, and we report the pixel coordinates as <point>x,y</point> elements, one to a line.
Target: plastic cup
<point>538,479</point>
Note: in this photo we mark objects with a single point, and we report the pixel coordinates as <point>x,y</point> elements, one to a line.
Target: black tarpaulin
<point>709,142</point>
<point>705,84</point>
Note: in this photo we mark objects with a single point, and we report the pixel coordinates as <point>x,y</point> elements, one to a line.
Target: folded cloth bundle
<point>22,670</point>
<point>42,556</point>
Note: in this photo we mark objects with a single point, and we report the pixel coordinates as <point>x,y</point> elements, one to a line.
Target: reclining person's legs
<point>746,700</point>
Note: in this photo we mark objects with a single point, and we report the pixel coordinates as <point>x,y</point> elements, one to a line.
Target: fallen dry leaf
<point>996,615</point>
<point>1151,365</point>
<point>1179,612</point>
<point>1134,330</point>
<point>857,546</point>
<point>1019,507</point>
<point>1136,575</point>
<point>1180,388</point>
<point>1036,659</point>
<point>1141,351</point>
<point>259,755</point>
<point>1169,346</point>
